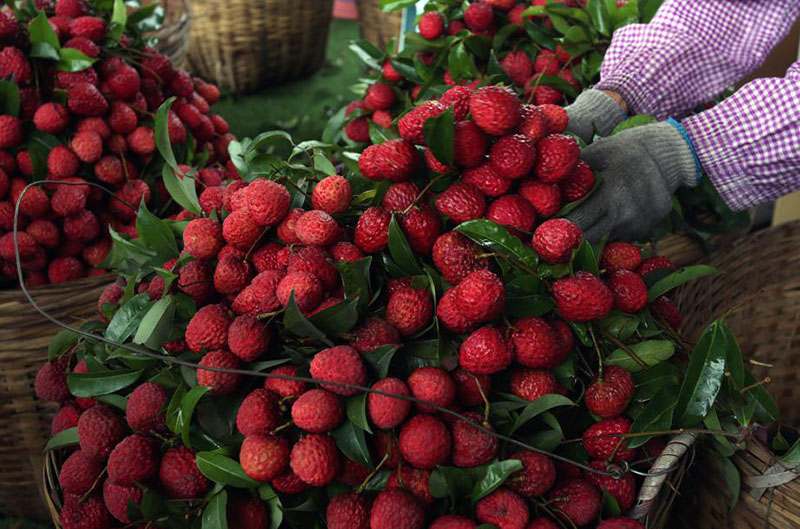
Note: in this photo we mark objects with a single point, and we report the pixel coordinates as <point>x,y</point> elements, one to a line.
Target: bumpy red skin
<point>66,417</point>
<point>306,287</point>
<point>668,311</point>
<point>425,442</point>
<point>396,509</point>
<point>259,413</point>
<point>434,385</point>
<point>536,477</point>
<point>600,443</point>
<point>503,508</point>
<point>577,500</point>
<point>264,457</point>
<point>461,202</point>
<point>469,144</point>
<point>414,481</point>
<point>342,364</point>
<point>495,109</point>
<point>332,194</point>
<point>267,202</point>
<point>421,226</point>
<point>396,160</point>
<point>409,310</point>
<point>545,198</point>
<point>99,430</point>
<point>289,483</point>
<point>88,514</point>
<point>317,411</point>
<point>202,238</point>
<point>578,182</point>
<point>582,297</point>
<point>347,511</point>
<point>542,523</point>
<point>240,229</point>
<point>487,179</point>
<point>457,98</point>
<point>117,497</point>
<point>481,296</point>
<point>485,352</point>
<point>533,124</point>
<point>248,338</point>
<point>455,256</point>
<point>134,459</point>
<point>387,412</point>
<point>479,17</point>
<point>285,388</point>
<point>452,521</point>
<point>410,125</point>
<point>449,315</point>
<point>78,473</point>
<point>179,475</point>
<point>51,382</point>
<point>471,446</point>
<point>380,96</point>
<point>246,513</point>
<point>536,343</point>
<point>469,387</point>
<point>555,239</point>
<point>315,459</point>
<point>232,274</point>
<point>556,157</point>
<point>220,382</point>
<point>431,25</point>
<point>513,212</point>
<point>623,490</point>
<point>619,255</point>
<point>530,384</point>
<point>610,396</point>
<point>373,333</point>
<point>372,230</point>
<point>620,523</point>
<point>208,328</point>
<point>654,263</point>
<point>630,292</point>
<point>513,156</point>
<point>316,228</point>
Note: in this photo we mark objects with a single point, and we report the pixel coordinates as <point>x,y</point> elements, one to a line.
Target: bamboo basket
<point>762,283</point>
<point>377,26</point>
<point>243,45</point>
<point>24,419</point>
<point>173,35</point>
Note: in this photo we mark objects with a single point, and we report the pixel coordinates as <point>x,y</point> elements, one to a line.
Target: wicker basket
<point>24,419</point>
<point>377,26</point>
<point>243,45</point>
<point>173,35</point>
<point>762,282</point>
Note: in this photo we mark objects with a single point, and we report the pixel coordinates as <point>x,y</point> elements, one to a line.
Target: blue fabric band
<point>686,137</point>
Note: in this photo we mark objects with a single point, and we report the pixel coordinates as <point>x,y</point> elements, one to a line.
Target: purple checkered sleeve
<point>691,51</point>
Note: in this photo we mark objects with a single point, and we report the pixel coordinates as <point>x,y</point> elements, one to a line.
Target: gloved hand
<point>594,111</point>
<point>640,169</point>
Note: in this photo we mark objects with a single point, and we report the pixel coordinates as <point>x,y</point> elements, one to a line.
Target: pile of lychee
<point>88,122</point>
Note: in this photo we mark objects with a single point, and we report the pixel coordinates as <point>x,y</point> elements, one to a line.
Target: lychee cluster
<point>90,122</point>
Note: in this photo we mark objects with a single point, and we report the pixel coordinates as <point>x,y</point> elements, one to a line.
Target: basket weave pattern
<point>173,36</point>
<point>243,45</point>
<point>376,26</point>
<point>24,419</point>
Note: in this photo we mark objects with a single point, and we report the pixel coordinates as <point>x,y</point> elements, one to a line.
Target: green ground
<point>301,107</point>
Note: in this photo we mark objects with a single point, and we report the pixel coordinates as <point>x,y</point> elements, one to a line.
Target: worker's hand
<point>595,111</point>
<point>640,169</point>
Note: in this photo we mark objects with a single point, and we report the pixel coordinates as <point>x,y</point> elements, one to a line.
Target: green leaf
<point>734,361</point>
<point>703,377</point>
<point>654,379</point>
<point>634,121</point>
<point>162,133</point>
<point>188,405</point>
<point>438,132</point>
<point>223,469</point>
<point>156,326</point>
<point>492,235</point>
<point>647,9</point>
<point>68,437</point>
<point>174,413</point>
<point>395,5</point>
<point>368,53</point>
<point>9,98</point>
<point>450,482</point>
<point>599,13</point>
<point>355,280</point>
<point>762,397</point>
<point>407,70</point>
<point>182,190</point>
<point>119,18</point>
<point>62,342</point>
<point>528,305</point>
<point>351,441</point>
<point>679,277</point>
<point>102,382</point>
<point>651,352</point>
<point>585,258</point>
<point>401,251</point>
<point>338,319</point>
<point>72,60</point>
<point>460,63</point>
<point>44,41</point>
<point>610,505</point>
<point>142,13</point>
<point>357,411</point>
<point>215,515</point>
<point>656,416</point>
<point>296,323</point>
<point>323,164</point>
<point>732,478</point>
<point>156,234</point>
<point>539,406</point>
<point>380,359</point>
<point>268,495</point>
<point>496,474</point>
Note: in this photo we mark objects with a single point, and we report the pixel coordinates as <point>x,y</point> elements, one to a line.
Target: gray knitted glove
<point>593,111</point>
<point>640,169</point>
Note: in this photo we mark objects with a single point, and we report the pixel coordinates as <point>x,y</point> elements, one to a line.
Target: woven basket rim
<point>16,292</point>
